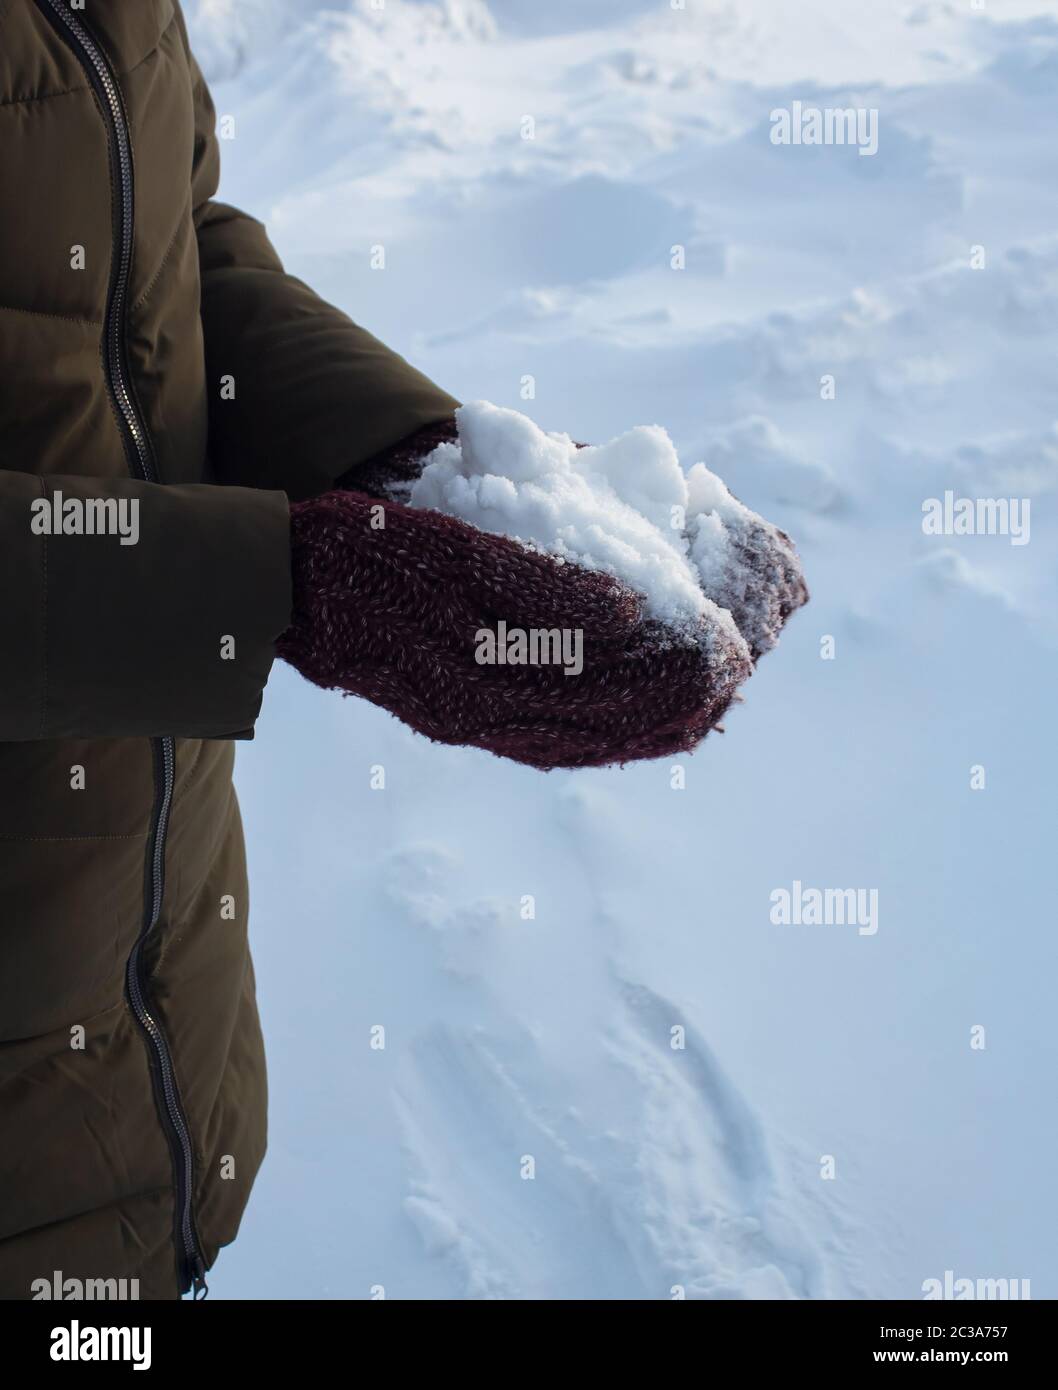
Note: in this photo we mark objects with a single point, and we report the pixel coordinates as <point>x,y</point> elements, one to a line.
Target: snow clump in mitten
<point>683,543</point>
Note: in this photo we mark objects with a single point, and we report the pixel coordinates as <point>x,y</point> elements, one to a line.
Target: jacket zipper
<point>141,464</point>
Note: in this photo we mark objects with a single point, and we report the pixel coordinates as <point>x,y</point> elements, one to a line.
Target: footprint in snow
<point>651,1177</point>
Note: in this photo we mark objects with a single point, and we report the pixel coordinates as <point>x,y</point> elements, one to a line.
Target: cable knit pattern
<point>391,613</point>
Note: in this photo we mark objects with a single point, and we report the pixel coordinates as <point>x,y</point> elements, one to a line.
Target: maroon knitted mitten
<point>761,583</point>
<point>394,614</point>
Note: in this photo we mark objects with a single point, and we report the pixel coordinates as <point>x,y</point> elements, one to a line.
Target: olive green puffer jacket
<point>160,374</point>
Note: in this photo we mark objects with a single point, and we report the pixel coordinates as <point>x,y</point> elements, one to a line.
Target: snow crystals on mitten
<point>745,563</point>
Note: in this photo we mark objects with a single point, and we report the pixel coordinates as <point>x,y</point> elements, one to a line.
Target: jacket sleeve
<point>172,634</point>
<point>314,393</point>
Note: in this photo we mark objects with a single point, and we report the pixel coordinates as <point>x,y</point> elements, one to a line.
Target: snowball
<point>607,507</point>
<point>683,543</point>
<point>643,469</point>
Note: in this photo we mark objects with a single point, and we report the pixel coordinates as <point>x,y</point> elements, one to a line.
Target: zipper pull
<point>199,1287</point>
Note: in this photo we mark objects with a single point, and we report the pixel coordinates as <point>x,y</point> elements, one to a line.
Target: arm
<point>314,393</point>
<point>103,639</point>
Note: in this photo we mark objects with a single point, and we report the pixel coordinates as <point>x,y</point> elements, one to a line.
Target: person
<point>158,364</point>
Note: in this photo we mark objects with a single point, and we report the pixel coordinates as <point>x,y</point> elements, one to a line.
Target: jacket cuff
<point>173,633</point>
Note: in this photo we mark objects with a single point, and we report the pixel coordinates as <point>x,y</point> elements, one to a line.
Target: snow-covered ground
<point>704,1166</point>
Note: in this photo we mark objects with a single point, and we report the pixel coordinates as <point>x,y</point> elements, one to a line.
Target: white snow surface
<point>924,281</point>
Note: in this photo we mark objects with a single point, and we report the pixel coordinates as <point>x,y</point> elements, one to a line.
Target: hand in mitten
<point>392,600</point>
<point>394,613</point>
<point>744,563</point>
